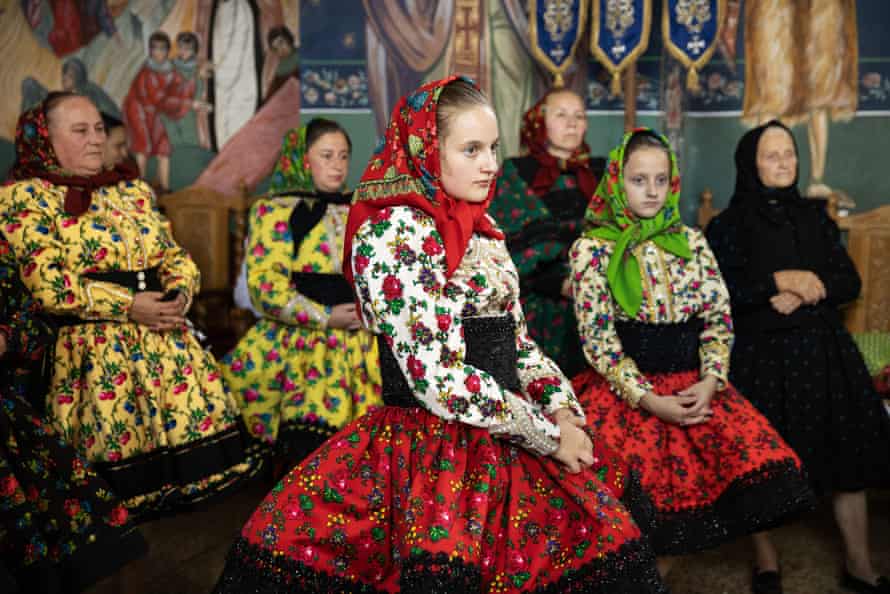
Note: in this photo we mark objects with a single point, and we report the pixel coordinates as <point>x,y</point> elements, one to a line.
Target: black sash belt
<point>135,280</point>
<point>661,348</point>
<point>491,347</point>
<point>327,289</point>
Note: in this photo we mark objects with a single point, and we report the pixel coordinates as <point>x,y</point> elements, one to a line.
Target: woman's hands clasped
<point>575,447</point>
<point>688,407</point>
<point>149,309</point>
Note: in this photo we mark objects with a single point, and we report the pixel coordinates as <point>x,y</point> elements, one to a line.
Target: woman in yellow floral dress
<point>132,390</point>
<point>306,368</point>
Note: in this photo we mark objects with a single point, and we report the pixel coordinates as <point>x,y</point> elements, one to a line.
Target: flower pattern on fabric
<point>119,390</point>
<point>290,369</point>
<point>540,230</point>
<point>400,269</point>
<point>52,504</point>
<point>27,333</point>
<point>675,289</point>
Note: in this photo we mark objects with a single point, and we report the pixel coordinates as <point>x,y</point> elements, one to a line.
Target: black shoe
<point>766,582</point>
<point>854,584</point>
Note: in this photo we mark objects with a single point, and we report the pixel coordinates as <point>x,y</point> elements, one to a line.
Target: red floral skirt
<point>710,483</point>
<point>402,501</point>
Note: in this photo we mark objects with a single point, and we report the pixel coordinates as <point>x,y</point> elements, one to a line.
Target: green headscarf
<point>609,217</point>
<point>291,173</point>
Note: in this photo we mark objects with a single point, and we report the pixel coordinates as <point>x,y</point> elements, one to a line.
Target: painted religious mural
<point>204,85</point>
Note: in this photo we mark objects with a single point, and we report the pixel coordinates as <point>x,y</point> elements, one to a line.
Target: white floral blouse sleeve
<point>717,335</point>
<point>595,312</point>
<point>399,268</point>
<point>540,377</point>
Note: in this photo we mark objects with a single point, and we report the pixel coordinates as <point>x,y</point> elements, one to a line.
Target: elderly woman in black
<point>788,273</point>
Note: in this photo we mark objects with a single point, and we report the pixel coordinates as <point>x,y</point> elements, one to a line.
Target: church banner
<point>619,34</point>
<point>555,28</point>
<point>691,31</point>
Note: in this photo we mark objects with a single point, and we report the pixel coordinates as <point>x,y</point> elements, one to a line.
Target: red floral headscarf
<point>405,171</point>
<point>35,158</point>
<point>533,135</point>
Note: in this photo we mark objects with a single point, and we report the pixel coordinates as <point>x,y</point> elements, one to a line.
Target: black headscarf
<point>749,189</point>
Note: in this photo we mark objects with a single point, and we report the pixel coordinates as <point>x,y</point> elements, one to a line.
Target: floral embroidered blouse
<point>674,290</point>
<point>399,263</point>
<point>122,230</point>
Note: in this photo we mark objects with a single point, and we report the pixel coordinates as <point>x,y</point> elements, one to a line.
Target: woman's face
<point>776,158</point>
<point>115,147</point>
<point>77,135</point>
<point>566,123</point>
<point>328,161</point>
<point>469,161</point>
<point>647,178</point>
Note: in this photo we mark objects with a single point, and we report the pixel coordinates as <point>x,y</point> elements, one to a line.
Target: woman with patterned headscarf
<point>475,475</point>
<point>539,203</point>
<point>307,367</point>
<point>131,388</point>
<point>654,319</point>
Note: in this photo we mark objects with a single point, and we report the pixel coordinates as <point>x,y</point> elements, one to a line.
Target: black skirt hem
<point>84,568</point>
<point>177,466</point>
<point>639,504</point>
<point>249,568</point>
<point>761,500</point>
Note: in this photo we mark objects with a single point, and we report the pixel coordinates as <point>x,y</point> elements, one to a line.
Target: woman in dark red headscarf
<point>131,388</point>
<point>540,202</point>
<point>475,475</point>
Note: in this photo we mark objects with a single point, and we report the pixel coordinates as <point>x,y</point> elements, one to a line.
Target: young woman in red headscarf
<point>539,203</point>
<point>475,475</point>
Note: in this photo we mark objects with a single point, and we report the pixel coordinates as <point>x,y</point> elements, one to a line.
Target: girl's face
<point>647,179</point>
<point>776,158</point>
<point>469,160</point>
<point>566,123</point>
<point>328,161</point>
<point>159,51</point>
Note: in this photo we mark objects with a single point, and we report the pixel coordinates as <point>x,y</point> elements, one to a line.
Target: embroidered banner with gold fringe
<point>619,34</point>
<point>555,28</point>
<point>691,31</point>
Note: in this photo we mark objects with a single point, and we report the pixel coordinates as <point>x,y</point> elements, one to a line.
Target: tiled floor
<point>188,551</point>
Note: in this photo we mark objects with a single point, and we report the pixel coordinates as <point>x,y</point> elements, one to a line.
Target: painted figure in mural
<point>282,43</point>
<point>193,75</point>
<point>802,65</point>
<point>476,475</point>
<point>539,203</point>
<point>236,41</point>
<point>788,273</point>
<point>75,79</point>
<point>67,25</point>
<point>654,318</point>
<point>158,89</point>
<point>131,389</point>
<point>307,367</point>
<point>59,522</point>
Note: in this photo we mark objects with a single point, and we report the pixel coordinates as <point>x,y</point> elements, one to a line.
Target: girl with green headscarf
<point>306,367</point>
<point>654,320</point>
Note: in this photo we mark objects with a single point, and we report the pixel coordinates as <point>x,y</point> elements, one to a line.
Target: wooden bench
<point>212,226</point>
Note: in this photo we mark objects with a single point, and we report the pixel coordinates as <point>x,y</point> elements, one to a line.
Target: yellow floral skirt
<point>150,411</point>
<point>296,386</point>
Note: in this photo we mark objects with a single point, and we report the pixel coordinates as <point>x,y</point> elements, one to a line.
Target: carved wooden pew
<point>211,226</point>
